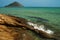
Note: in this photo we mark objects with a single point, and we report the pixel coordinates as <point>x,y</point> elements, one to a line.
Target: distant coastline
<point>31,7</point>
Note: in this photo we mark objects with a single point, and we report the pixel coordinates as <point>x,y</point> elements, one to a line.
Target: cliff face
<point>15,4</point>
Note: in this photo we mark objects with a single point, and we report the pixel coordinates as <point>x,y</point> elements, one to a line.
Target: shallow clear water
<point>51,14</point>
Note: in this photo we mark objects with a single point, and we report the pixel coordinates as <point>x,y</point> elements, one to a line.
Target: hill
<point>14,4</point>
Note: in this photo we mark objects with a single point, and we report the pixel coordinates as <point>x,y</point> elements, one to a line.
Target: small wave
<point>41,28</point>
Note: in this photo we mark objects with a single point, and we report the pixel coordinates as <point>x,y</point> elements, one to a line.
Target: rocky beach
<point>15,28</point>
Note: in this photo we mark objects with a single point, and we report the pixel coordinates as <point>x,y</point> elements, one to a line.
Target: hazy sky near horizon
<point>33,3</point>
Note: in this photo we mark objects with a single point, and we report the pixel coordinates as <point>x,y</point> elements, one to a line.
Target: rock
<point>12,26</point>
<point>11,20</point>
<point>14,21</point>
<point>39,19</point>
<point>11,33</point>
<point>8,32</point>
<point>4,33</point>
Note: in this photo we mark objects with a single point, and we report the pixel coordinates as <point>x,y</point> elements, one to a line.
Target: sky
<point>33,3</point>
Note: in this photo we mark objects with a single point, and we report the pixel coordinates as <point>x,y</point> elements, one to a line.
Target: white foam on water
<point>41,27</point>
<point>30,23</point>
<point>49,31</point>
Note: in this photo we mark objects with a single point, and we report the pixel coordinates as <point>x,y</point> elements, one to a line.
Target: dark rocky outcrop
<point>15,28</point>
<point>14,4</point>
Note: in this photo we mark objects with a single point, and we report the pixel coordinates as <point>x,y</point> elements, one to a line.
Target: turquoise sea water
<point>51,14</point>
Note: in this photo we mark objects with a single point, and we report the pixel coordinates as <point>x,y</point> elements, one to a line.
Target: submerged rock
<point>15,28</point>
<point>39,19</point>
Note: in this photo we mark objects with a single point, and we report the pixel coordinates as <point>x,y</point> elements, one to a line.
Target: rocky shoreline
<point>15,28</point>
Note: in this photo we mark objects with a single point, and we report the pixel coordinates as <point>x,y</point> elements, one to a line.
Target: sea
<point>39,15</point>
<point>50,15</point>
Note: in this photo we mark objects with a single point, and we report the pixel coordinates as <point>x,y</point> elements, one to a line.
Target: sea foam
<point>41,27</point>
